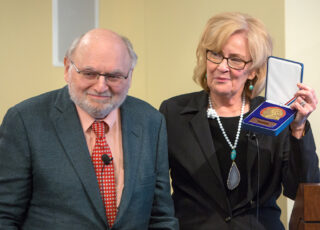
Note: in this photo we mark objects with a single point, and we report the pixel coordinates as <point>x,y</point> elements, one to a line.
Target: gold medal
<point>273,113</point>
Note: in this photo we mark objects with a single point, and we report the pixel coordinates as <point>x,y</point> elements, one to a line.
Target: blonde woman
<point>224,177</point>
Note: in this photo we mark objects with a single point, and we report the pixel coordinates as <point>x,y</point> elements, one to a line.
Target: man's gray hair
<point>131,52</point>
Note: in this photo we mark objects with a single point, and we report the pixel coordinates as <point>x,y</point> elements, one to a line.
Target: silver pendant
<point>233,177</point>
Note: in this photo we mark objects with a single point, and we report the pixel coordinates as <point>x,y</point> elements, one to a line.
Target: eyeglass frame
<point>227,58</point>
<point>106,76</point>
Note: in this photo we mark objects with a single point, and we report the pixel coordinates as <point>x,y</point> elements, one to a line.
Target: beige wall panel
<point>302,43</point>
<point>127,17</point>
<point>26,54</point>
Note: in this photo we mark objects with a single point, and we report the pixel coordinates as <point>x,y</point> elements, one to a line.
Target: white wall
<point>302,43</point>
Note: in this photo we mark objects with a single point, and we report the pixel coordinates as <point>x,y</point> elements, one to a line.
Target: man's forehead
<point>101,47</point>
<point>101,36</point>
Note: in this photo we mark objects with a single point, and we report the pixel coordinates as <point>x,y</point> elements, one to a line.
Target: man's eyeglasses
<point>94,76</point>
<point>233,62</point>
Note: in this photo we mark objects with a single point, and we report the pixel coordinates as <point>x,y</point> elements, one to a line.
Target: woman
<point>224,177</point>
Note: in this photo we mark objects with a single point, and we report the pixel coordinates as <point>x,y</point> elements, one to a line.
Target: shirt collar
<point>86,120</point>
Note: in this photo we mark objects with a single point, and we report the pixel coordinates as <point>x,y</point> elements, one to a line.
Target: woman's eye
<point>215,54</point>
<point>236,60</point>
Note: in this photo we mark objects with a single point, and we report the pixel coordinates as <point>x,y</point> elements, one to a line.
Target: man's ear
<point>130,76</point>
<point>66,63</point>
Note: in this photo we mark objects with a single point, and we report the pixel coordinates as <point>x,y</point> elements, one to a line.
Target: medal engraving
<point>259,121</point>
<point>273,113</point>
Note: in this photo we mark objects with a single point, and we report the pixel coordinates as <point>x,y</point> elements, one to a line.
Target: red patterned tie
<point>104,173</point>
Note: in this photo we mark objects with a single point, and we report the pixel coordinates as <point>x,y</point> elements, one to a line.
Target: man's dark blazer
<point>199,193</point>
<point>47,180</point>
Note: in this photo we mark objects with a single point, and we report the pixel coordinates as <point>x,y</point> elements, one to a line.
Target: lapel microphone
<point>251,135</point>
<point>106,159</point>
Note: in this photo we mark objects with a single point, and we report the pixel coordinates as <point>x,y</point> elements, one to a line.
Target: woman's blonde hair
<point>216,33</point>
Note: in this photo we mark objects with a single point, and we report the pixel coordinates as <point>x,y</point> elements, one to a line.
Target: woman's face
<point>223,80</point>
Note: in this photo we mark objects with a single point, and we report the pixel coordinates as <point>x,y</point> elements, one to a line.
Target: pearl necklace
<point>234,174</point>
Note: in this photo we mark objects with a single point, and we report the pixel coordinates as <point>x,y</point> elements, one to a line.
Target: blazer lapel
<point>200,126</point>
<point>203,136</point>
<point>70,133</point>
<point>131,143</point>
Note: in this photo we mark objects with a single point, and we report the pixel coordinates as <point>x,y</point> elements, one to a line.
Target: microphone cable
<point>258,179</point>
<point>106,161</point>
<point>253,136</point>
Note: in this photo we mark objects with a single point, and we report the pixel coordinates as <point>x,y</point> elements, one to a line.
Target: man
<point>86,156</point>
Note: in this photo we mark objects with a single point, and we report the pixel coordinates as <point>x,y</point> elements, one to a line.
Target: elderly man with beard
<point>86,156</point>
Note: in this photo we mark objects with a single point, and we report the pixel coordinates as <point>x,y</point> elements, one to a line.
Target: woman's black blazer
<point>199,194</point>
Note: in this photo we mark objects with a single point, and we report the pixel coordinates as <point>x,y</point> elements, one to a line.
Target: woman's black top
<point>223,151</point>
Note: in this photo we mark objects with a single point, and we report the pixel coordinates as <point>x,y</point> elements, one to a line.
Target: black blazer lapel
<point>70,133</point>
<point>202,132</point>
<point>200,126</point>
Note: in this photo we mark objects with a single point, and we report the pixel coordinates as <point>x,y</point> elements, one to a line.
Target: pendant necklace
<point>234,174</point>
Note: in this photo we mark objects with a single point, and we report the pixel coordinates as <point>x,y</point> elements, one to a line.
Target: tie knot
<point>98,128</point>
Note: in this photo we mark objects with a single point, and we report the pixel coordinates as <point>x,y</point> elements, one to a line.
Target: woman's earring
<point>205,76</point>
<point>251,86</point>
